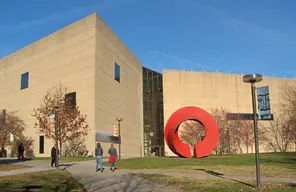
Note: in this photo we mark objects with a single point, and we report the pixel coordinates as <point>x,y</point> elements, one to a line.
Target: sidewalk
<point>109,181</point>
<point>125,180</point>
<point>22,171</point>
<point>93,181</point>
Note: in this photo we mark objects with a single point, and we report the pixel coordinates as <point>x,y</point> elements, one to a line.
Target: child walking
<point>113,157</point>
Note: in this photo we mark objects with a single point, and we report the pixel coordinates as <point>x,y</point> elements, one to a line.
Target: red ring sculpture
<point>201,149</point>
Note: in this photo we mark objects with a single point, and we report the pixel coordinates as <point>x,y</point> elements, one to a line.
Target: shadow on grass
<point>28,188</point>
<point>221,175</point>
<point>292,185</point>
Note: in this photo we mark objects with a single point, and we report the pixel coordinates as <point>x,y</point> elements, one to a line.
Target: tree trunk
<point>60,149</point>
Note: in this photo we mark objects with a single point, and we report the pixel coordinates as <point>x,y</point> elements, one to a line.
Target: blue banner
<point>263,99</point>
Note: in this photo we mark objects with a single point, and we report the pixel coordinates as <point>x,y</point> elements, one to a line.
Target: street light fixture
<point>56,130</point>
<point>56,135</point>
<point>119,135</point>
<point>255,78</point>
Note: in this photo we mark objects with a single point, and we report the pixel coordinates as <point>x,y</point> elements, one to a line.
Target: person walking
<point>54,156</point>
<point>112,157</point>
<point>21,150</point>
<point>99,158</point>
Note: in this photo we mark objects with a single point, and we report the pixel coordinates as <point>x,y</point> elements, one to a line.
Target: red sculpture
<point>201,149</point>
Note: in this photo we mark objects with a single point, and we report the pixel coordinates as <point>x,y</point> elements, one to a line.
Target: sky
<point>228,36</point>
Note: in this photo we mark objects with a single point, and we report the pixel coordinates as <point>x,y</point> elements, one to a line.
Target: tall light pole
<point>56,135</point>
<point>119,135</point>
<point>255,78</point>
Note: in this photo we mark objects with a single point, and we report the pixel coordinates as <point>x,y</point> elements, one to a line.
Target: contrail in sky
<point>179,59</point>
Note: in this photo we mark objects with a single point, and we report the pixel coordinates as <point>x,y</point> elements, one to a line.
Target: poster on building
<point>106,137</point>
<point>263,99</point>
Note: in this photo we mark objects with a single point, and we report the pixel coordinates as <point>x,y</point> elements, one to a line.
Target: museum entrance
<point>153,113</point>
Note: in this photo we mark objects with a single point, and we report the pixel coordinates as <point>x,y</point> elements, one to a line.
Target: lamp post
<point>56,135</point>
<point>255,78</point>
<point>119,135</point>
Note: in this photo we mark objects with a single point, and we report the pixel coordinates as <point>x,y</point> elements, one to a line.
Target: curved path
<point>125,180</point>
<point>107,181</point>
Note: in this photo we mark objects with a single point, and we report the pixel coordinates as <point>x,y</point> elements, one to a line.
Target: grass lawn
<point>9,167</point>
<point>272,164</point>
<point>190,184</point>
<point>41,181</point>
<point>62,159</point>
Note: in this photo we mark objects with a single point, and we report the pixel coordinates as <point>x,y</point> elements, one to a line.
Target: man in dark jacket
<point>54,156</point>
<point>21,150</point>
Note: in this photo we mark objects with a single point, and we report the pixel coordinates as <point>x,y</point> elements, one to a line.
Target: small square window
<point>25,80</point>
<point>117,72</point>
<point>70,99</point>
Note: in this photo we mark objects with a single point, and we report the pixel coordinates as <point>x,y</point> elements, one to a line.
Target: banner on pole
<point>263,100</point>
<point>115,130</point>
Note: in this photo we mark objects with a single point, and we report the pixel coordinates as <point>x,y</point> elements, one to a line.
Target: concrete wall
<point>81,56</point>
<point>211,90</point>
<point>118,99</point>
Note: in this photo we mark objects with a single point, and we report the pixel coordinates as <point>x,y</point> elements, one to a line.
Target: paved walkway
<point>108,181</point>
<point>124,180</point>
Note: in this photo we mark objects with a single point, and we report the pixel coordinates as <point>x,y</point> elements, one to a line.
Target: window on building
<point>25,80</point>
<point>117,72</point>
<point>41,144</point>
<point>70,99</point>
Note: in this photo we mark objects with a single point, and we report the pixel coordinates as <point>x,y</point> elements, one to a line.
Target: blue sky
<point>212,35</point>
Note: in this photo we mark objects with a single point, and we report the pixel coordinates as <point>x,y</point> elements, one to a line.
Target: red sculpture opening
<point>201,149</point>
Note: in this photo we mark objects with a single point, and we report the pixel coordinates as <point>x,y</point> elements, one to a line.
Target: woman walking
<point>99,158</point>
<point>113,157</point>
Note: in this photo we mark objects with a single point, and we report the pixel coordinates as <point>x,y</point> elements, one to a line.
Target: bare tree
<point>278,134</point>
<point>70,122</point>
<point>191,132</point>
<point>76,147</point>
<point>233,133</point>
<point>247,134</point>
<point>225,143</point>
<point>288,110</point>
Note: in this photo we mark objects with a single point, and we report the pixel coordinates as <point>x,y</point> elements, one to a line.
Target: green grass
<point>62,159</point>
<point>41,181</point>
<point>272,164</point>
<point>190,184</point>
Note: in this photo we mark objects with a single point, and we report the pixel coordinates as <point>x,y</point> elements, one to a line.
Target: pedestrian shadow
<point>10,161</point>
<point>65,166</point>
<point>221,175</point>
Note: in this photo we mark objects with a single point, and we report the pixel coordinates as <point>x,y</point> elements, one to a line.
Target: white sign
<point>11,137</point>
<point>51,122</point>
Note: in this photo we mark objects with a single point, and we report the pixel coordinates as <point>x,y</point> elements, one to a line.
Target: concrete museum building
<point>92,62</point>
<point>109,82</point>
